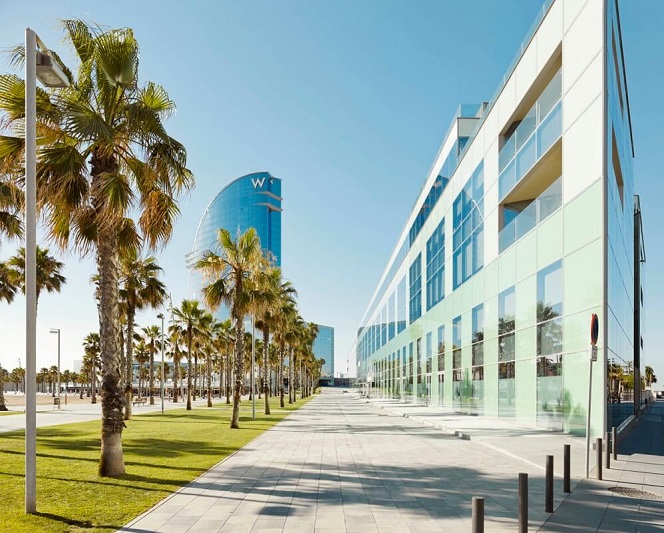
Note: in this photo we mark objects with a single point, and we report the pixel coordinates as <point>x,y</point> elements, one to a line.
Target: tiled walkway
<point>342,465</point>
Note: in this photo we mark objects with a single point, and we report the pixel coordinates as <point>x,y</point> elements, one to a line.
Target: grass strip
<point>161,453</point>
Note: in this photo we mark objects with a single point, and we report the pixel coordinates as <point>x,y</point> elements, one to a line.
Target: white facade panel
<point>549,34</point>
<point>582,42</point>
<point>586,90</point>
<point>583,151</point>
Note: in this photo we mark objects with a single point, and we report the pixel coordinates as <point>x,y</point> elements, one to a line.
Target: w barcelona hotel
<point>527,224</point>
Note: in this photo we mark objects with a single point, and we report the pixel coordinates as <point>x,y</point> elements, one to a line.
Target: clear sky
<point>348,103</point>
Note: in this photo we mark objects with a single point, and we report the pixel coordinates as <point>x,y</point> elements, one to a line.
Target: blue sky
<point>348,103</point>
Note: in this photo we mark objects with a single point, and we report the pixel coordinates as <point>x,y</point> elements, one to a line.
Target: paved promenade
<point>47,416</point>
<point>344,465</point>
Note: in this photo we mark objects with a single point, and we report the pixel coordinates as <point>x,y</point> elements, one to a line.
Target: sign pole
<point>594,329</point>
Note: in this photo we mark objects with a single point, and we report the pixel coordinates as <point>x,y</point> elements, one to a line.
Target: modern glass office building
<point>524,228</point>
<point>324,349</point>
<point>251,201</point>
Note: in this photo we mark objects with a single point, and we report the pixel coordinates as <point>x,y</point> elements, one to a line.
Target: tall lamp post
<point>161,315</point>
<point>57,330</point>
<point>39,63</point>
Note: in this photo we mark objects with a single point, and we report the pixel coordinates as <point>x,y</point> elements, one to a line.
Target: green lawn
<point>161,454</point>
<point>6,413</point>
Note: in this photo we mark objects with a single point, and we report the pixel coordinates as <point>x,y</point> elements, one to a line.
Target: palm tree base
<point>3,408</point>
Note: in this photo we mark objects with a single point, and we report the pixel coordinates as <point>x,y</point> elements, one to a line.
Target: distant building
<point>251,201</point>
<point>324,349</point>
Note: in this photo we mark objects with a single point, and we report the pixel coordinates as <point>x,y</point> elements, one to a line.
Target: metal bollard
<point>523,502</point>
<point>478,514</point>
<point>566,467</point>
<point>607,458</point>
<point>614,442</point>
<point>548,507</point>
<point>598,446</point>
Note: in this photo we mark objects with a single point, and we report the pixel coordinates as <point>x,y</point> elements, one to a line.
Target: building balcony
<point>538,210</point>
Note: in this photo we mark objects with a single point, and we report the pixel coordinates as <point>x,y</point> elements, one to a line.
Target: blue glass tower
<point>251,201</point>
<point>324,349</point>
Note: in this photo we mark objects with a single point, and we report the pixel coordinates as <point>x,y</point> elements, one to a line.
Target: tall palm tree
<point>271,294</point>
<point>142,357</point>
<point>188,317</point>
<point>650,376</point>
<point>223,342</point>
<point>7,291</point>
<point>49,277</point>
<point>176,336</point>
<point>230,276</point>
<point>140,287</point>
<point>105,156</point>
<point>91,360</point>
<point>151,334</point>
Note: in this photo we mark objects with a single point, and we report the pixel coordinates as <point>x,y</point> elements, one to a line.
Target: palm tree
<point>142,357</point>
<point>11,200</point>
<point>140,287</point>
<point>105,156</point>
<point>48,268</point>
<point>151,335</point>
<point>91,360</point>
<point>7,291</point>
<point>223,340</point>
<point>230,276</point>
<point>271,291</point>
<point>650,376</point>
<point>176,335</point>
<point>188,317</point>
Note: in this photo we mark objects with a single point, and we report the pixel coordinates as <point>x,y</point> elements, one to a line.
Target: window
<point>441,349</point>
<point>429,352</point>
<point>415,277</point>
<point>456,349</point>
<point>436,266</point>
<point>392,304</point>
<point>506,326</point>
<point>401,305</point>
<point>549,320</point>
<point>418,345</point>
<point>468,223</point>
<point>478,343</point>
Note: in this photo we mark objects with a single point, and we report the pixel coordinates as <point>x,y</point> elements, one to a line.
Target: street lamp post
<point>161,315</point>
<point>57,330</point>
<point>253,363</point>
<point>38,63</point>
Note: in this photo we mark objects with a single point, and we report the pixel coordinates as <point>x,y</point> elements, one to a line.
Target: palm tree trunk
<point>3,407</point>
<point>227,381</point>
<point>281,377</point>
<point>195,373</point>
<point>129,362</point>
<point>189,370</point>
<point>176,375</point>
<point>239,372</point>
<point>93,385</point>
<point>111,463</point>
<point>209,380</point>
<point>152,374</point>
<point>291,377</point>
<point>266,340</point>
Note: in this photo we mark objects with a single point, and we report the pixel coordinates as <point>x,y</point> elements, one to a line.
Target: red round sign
<point>594,329</point>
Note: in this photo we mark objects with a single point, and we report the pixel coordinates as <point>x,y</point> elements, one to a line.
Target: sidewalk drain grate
<point>636,493</point>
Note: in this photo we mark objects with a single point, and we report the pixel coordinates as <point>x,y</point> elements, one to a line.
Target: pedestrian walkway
<point>343,465</point>
<point>47,416</point>
<point>631,496</point>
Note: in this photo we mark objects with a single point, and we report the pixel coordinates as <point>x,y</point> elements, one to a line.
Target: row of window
<point>549,337</point>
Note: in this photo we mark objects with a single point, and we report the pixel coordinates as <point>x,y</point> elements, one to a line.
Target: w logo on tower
<point>258,182</point>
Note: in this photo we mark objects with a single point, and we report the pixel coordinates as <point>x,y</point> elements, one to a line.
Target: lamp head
<point>161,316</point>
<point>55,330</point>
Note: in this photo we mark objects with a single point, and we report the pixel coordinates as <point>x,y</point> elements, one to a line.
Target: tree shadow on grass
<point>84,524</point>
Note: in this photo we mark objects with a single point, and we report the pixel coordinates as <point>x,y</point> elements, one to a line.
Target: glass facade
<point>324,349</point>
<point>252,201</point>
<point>536,218</point>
